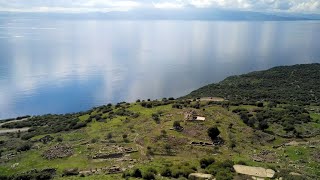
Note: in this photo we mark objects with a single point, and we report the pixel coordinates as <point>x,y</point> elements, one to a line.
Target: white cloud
<point>67,5</point>
<point>311,6</point>
<point>169,5</point>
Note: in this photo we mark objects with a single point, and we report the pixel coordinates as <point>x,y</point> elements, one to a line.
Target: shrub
<point>79,125</point>
<point>166,172</point>
<point>94,140</point>
<point>148,176</point>
<point>24,147</point>
<point>263,125</point>
<point>205,162</point>
<point>150,151</point>
<point>260,104</point>
<point>136,173</point>
<point>109,135</point>
<point>59,139</point>
<point>168,148</point>
<point>213,133</point>
<point>182,172</point>
<point>224,174</point>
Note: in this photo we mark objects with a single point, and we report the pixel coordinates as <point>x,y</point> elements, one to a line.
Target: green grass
<point>144,132</point>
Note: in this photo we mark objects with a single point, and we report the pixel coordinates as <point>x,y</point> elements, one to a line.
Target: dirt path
<point>139,147</point>
<point>2,131</point>
<point>13,121</point>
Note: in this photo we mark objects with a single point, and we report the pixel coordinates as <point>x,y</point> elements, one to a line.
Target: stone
<point>254,171</point>
<point>200,176</point>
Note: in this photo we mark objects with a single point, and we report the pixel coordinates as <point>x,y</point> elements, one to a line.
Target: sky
<point>75,6</point>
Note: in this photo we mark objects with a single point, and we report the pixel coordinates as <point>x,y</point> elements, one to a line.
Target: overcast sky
<point>296,6</point>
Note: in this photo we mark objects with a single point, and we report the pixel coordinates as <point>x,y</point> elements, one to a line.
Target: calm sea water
<point>59,66</point>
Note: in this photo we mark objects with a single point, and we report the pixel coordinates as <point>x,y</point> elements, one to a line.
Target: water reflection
<point>66,66</point>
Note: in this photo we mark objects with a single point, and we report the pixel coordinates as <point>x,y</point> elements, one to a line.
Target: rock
<point>46,139</point>
<point>254,171</point>
<point>14,165</point>
<point>295,174</point>
<point>200,176</point>
<point>70,172</point>
<point>114,169</point>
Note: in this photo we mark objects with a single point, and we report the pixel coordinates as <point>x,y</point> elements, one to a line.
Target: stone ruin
<point>113,152</point>
<point>104,170</point>
<point>58,151</point>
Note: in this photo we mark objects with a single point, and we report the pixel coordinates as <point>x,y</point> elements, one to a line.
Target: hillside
<point>173,138</point>
<point>294,84</point>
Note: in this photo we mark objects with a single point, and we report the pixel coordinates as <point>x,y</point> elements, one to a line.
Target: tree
<point>263,125</point>
<point>260,104</point>
<point>252,121</point>
<point>204,163</point>
<point>213,133</point>
<point>137,173</point>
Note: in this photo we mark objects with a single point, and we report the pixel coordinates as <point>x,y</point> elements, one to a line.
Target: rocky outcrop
<point>254,171</point>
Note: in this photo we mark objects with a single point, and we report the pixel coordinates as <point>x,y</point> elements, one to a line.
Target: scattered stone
<point>46,139</point>
<point>114,169</point>
<point>294,174</point>
<point>107,155</point>
<point>201,143</point>
<point>58,151</point>
<point>70,172</point>
<point>265,156</point>
<point>200,176</point>
<point>14,165</point>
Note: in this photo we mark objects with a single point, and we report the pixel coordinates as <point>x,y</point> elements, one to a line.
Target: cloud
<point>168,5</point>
<point>310,6</point>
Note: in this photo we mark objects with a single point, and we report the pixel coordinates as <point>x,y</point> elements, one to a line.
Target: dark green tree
<point>213,133</point>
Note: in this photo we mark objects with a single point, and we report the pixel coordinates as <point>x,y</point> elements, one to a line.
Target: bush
<point>24,147</point>
<point>79,125</point>
<point>59,139</point>
<point>109,136</point>
<point>263,125</point>
<point>260,104</point>
<point>224,174</point>
<point>94,140</point>
<point>213,133</point>
<point>182,172</point>
<point>136,173</point>
<point>166,172</point>
<point>148,176</point>
<point>204,163</point>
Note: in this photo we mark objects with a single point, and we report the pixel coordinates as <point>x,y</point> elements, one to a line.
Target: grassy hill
<point>294,84</point>
<point>156,140</point>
